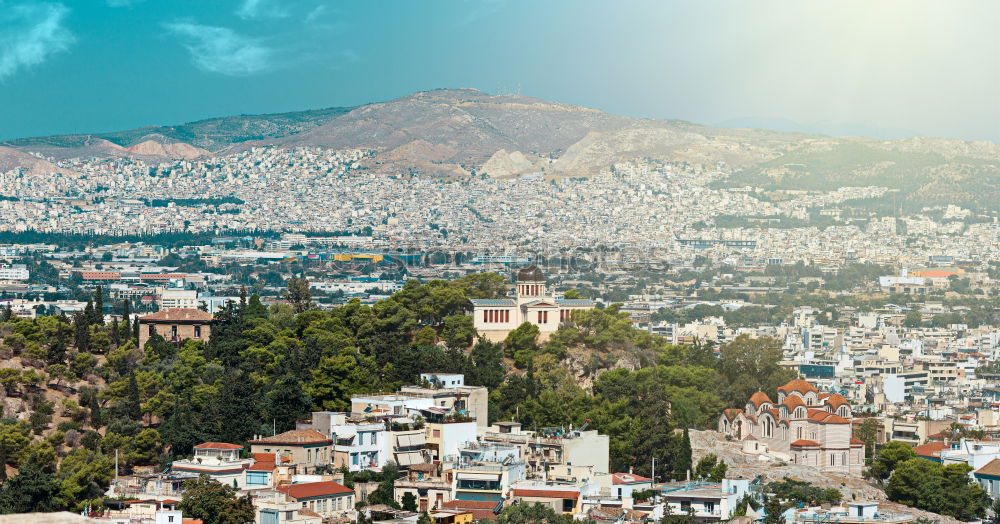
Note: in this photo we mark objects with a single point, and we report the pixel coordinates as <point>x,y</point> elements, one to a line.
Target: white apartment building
<point>178,299</point>
<point>14,272</point>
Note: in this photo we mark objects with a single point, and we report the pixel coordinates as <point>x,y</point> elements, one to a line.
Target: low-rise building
<point>306,449</point>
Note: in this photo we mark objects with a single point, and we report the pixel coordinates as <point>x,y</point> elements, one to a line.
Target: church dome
<point>530,274</point>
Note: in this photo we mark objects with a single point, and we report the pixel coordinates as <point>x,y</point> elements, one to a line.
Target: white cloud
<point>30,33</point>
<point>259,10</point>
<point>221,50</point>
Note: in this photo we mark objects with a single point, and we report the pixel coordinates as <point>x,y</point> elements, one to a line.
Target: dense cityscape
<point>573,261</point>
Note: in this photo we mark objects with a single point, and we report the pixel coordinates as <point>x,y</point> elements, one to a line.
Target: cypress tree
<point>88,312</point>
<point>98,306</point>
<point>682,464</point>
<point>126,325</point>
<point>81,337</point>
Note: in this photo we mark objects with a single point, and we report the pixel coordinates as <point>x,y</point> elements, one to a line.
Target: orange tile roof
<point>295,437</point>
<point>178,315</point>
<point>792,402</point>
<point>855,441</point>
<point>759,398</point>
<point>263,457</point>
<point>823,416</point>
<point>314,489</point>
<point>217,445</point>
<point>805,444</point>
<point>836,400</point>
<point>930,449</point>
<point>991,468</point>
<point>546,493</point>
<point>480,509</point>
<point>934,273</point>
<point>798,385</point>
<point>261,466</point>
<point>191,521</point>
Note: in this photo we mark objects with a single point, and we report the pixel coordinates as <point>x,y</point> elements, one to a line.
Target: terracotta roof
<point>731,413</point>
<point>798,385</point>
<point>217,445</point>
<point>263,457</point>
<point>836,400</point>
<point>991,468</point>
<point>792,402</point>
<point>178,315</point>
<point>628,478</point>
<point>261,466</point>
<point>295,437</point>
<point>855,441</point>
<point>934,273</point>
<point>805,444</point>
<point>191,521</point>
<point>930,449</point>
<point>823,416</point>
<point>759,398</point>
<point>309,513</point>
<point>480,509</point>
<point>314,489</point>
<point>547,493</point>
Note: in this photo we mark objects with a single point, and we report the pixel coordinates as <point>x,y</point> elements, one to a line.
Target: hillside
<point>926,172</point>
<point>456,132</point>
<point>11,159</point>
<point>209,135</point>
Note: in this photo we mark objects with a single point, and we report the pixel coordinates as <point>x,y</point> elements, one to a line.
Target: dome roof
<point>836,400</point>
<point>798,385</point>
<point>759,398</point>
<point>530,274</point>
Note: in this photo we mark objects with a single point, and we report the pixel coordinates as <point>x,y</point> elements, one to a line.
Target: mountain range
<point>456,132</point>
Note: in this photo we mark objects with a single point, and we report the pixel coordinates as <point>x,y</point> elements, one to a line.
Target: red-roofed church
<point>803,427</point>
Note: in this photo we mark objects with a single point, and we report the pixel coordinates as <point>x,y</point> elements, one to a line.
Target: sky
<point>887,68</point>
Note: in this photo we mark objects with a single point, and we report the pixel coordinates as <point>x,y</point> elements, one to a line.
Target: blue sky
<point>889,67</point>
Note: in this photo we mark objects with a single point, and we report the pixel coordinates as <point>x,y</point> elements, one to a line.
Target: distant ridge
<point>455,133</point>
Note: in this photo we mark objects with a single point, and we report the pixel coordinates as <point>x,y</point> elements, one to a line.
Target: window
<point>197,332</point>
<point>173,331</point>
<point>710,507</point>
<point>568,505</point>
<point>170,518</point>
<point>354,459</point>
<point>152,330</point>
<point>309,455</point>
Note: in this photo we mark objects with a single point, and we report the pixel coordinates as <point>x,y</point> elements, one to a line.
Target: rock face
<point>156,146</point>
<point>11,159</point>
<point>504,164</point>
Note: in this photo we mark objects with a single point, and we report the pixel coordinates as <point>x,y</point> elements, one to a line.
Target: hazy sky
<point>889,67</point>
